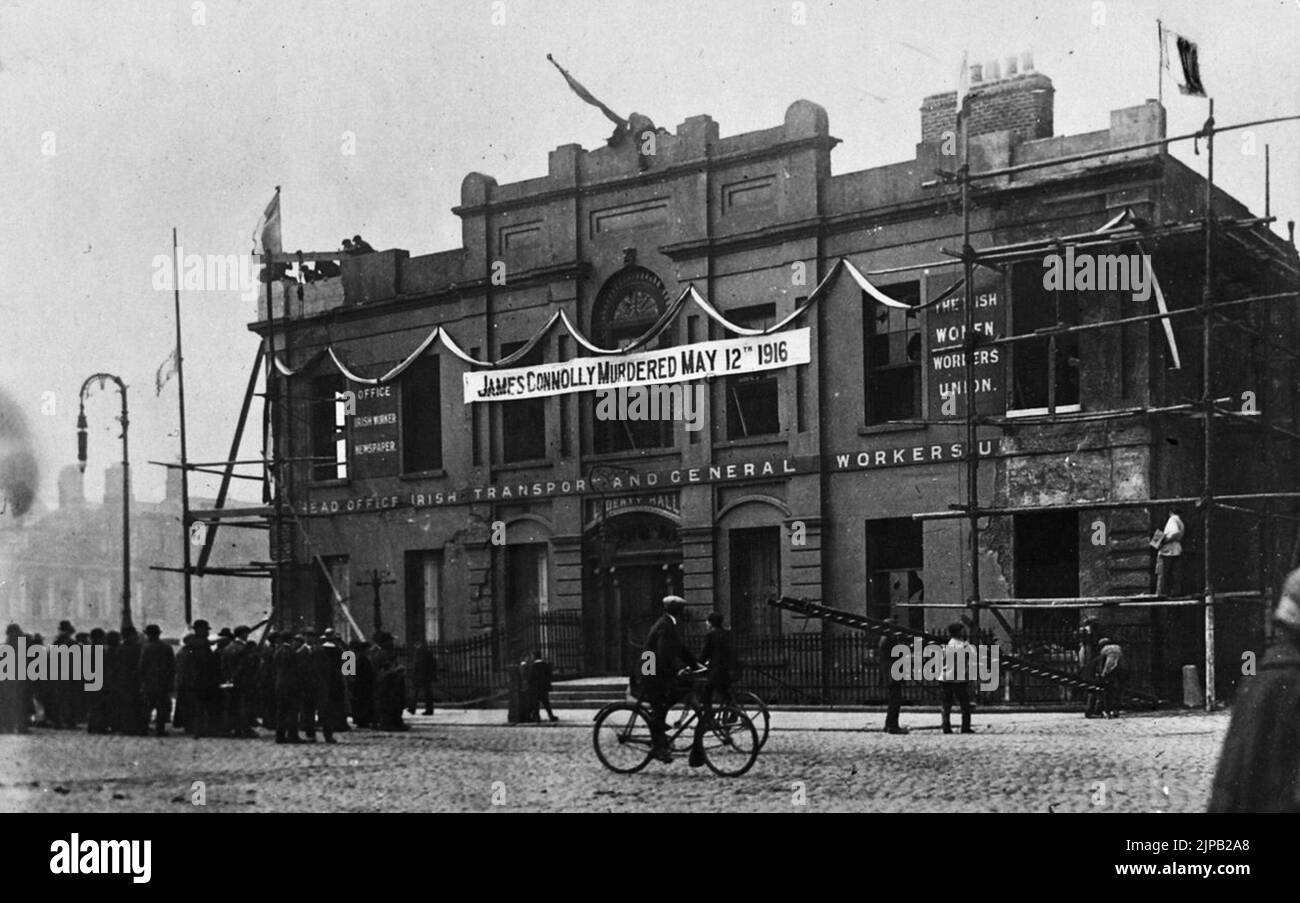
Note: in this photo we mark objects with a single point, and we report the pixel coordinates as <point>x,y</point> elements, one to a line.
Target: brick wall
<point>1021,104</point>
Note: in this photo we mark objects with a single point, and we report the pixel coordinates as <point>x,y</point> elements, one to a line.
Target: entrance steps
<point>588,692</point>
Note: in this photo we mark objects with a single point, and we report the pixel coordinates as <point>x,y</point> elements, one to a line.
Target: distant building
<point>67,563</point>
<point>805,477</point>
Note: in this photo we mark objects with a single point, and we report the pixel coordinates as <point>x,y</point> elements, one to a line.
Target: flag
<point>1191,68</point>
<point>164,373</point>
<point>586,95</point>
<point>1187,58</point>
<point>963,82</point>
<point>266,234</point>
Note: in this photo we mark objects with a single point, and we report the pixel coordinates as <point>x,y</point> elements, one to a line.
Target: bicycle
<point>747,702</point>
<point>623,741</point>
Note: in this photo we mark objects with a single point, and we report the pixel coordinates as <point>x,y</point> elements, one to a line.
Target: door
<point>640,591</point>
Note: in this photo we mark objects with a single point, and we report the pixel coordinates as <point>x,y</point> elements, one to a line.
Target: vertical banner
<point>945,331</point>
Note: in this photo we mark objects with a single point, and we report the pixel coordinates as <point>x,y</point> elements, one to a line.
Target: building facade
<point>67,564</point>
<point>803,479</point>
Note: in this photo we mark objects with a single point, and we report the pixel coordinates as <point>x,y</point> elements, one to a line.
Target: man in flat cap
<point>1259,767</point>
<point>664,655</point>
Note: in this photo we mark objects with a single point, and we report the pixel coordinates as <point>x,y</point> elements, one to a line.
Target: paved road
<point>460,761</point>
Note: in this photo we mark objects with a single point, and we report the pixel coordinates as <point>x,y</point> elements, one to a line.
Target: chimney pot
<point>1011,66</point>
<point>1027,61</point>
<point>976,73</point>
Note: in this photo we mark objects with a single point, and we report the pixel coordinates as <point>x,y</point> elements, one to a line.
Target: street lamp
<point>126,481</point>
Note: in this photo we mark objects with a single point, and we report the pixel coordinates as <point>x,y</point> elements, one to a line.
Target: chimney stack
<point>1018,100</point>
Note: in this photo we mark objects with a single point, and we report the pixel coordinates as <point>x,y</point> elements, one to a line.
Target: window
<point>323,610</point>
<point>423,596</point>
<point>422,416</point>
<point>1047,566</point>
<point>895,569</point>
<point>755,578</point>
<point>329,437</point>
<point>892,358</point>
<point>527,597</point>
<point>1033,308</point>
<point>523,423</point>
<point>629,304</point>
<point>753,400</point>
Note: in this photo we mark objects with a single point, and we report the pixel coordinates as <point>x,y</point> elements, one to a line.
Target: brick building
<point>805,478</point>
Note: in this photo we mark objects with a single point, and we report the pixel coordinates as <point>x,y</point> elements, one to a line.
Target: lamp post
<point>126,480</point>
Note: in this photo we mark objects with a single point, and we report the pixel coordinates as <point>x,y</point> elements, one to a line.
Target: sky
<point>122,120</point>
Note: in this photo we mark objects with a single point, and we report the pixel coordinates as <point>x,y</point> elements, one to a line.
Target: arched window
<point>629,303</point>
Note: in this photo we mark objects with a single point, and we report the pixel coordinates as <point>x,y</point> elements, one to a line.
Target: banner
<point>702,360</point>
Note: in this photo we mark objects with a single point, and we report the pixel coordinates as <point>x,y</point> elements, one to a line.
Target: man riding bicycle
<point>664,657</point>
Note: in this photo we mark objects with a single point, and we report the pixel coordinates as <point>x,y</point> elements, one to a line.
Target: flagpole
<point>1160,63</point>
<point>185,471</point>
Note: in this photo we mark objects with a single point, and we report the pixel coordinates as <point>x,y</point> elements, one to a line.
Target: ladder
<point>907,634</point>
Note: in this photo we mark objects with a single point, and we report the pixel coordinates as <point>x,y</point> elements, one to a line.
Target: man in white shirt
<point>1168,556</point>
<point>955,677</point>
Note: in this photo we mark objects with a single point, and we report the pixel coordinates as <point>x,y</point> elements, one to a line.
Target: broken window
<point>895,557</point>
<point>892,355</point>
<point>753,400</point>
<point>328,428</point>
<point>1044,371</point>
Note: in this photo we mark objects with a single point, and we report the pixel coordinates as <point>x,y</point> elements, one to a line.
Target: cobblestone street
<point>1015,762</point>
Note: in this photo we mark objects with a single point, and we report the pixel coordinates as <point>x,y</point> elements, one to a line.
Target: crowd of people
<point>224,685</point>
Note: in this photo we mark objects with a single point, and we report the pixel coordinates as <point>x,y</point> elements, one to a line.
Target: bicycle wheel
<point>756,709</point>
<point>622,738</point>
<point>730,742</point>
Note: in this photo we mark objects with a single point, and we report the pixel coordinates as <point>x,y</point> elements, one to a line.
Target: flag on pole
<point>963,81</point>
<point>165,372</point>
<point>1188,59</point>
<point>586,95</point>
<point>266,235</point>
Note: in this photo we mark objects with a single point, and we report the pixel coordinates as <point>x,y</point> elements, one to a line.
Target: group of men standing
<point>223,686</point>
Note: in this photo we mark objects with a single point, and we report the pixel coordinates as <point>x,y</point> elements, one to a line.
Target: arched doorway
<point>633,560</point>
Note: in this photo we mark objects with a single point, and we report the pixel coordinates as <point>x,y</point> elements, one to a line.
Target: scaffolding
<point>277,516</point>
<point>1123,229</point>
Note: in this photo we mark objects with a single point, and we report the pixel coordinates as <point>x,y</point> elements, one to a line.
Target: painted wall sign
<point>665,502</point>
<point>701,360</point>
<point>374,432</point>
<point>946,369</point>
<point>761,469</point>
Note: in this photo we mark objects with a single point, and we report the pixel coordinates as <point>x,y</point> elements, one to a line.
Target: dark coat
<point>885,659</point>
<point>1259,767</point>
<point>720,652</point>
<point>288,674</point>
<point>670,653</point>
<point>541,682</point>
<point>425,667</point>
<point>204,669</point>
<point>157,668</point>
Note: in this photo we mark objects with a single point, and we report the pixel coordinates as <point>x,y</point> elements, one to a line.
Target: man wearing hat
<point>239,682</point>
<point>13,703</point>
<point>63,693</point>
<point>1259,767</point>
<point>157,671</point>
<point>288,688</point>
<point>309,677</point>
<point>664,655</point>
<point>205,671</point>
